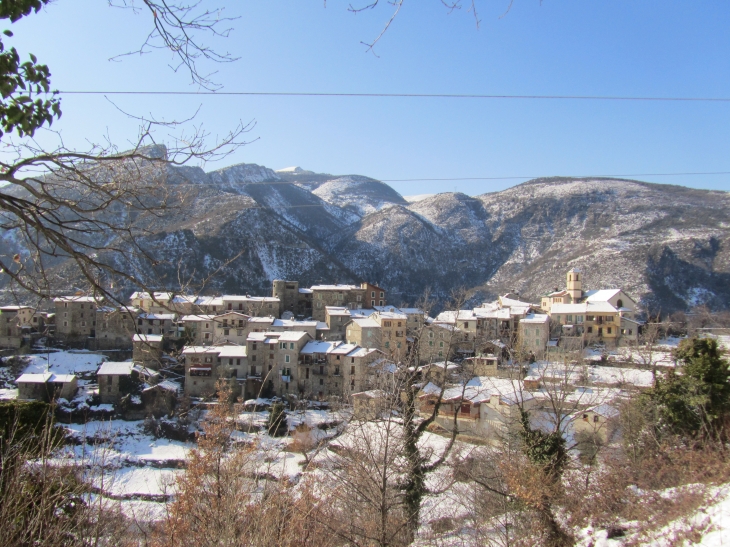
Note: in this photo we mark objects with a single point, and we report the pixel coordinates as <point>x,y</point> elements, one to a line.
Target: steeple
<point>575,285</point>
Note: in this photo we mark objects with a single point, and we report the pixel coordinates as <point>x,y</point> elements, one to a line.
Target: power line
<point>405,95</point>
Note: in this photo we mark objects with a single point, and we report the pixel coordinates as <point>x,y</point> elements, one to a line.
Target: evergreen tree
<point>695,401</point>
<point>277,425</point>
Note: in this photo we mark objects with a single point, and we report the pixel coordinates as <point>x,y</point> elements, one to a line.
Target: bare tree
<point>85,217</point>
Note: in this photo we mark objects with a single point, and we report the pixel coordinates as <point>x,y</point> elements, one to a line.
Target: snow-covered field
<point>64,362</point>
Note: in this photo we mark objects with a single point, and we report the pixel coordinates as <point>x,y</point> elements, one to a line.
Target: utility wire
<point>405,95</point>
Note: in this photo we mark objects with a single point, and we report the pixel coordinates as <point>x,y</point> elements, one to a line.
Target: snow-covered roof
<point>335,287</point>
<point>512,303</point>
<point>361,352</point>
<point>115,368</point>
<point>344,349</point>
<point>197,318</point>
<point>292,336</point>
<point>34,378</point>
<point>536,318</point>
<point>602,295</point>
<point>318,346</point>
<point>336,310</point>
<point>305,291</point>
<point>192,350</point>
<point>568,308</point>
<point>167,385</point>
<point>245,298</point>
<point>365,322</point>
<point>147,338</point>
<point>321,325</point>
<point>269,319</point>
<point>392,315</point>
<point>292,324</point>
<point>143,295</point>
<point>232,351</point>
<point>62,378</point>
<point>159,316</point>
<point>78,299</point>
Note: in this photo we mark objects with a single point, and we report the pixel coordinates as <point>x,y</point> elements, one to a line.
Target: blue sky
<point>567,47</point>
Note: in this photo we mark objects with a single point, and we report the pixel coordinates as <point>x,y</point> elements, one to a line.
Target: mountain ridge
<point>668,245</point>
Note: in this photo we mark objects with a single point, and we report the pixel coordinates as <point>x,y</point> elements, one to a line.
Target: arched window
<point>620,303</point>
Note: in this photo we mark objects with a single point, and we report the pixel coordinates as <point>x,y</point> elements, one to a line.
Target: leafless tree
<point>85,217</point>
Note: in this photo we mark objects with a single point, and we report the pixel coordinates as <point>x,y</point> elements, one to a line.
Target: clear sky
<point>568,47</point>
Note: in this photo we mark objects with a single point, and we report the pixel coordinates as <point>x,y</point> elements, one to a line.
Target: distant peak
<point>295,171</point>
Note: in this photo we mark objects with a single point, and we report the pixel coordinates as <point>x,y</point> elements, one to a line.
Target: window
<point>239,333</point>
<point>595,419</point>
<point>253,358</point>
<point>253,346</point>
<point>337,371</point>
<point>291,345</point>
<point>569,318</point>
<point>430,343</point>
<point>372,294</point>
<point>380,302</point>
<point>608,330</point>
<point>226,332</point>
<point>609,318</point>
<point>306,374</point>
<point>83,323</point>
<point>321,383</point>
<point>286,358</point>
<point>619,303</point>
<point>387,344</point>
<point>352,370</point>
<point>382,294</point>
<point>321,369</point>
<point>589,330</point>
<point>253,369</point>
<point>441,344</point>
<point>207,335</point>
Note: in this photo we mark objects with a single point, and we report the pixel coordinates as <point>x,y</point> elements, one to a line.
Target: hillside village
<point>339,343</point>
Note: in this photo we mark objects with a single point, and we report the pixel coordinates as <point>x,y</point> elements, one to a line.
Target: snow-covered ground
<point>64,362</point>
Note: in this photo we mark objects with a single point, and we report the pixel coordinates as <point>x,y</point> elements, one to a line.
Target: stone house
<point>199,328</point>
<point>11,326</point>
<point>115,327</point>
<point>374,295</point>
<point>600,421</point>
<point>231,327</point>
<point>254,306</point>
<point>201,374</point>
<point>369,405</point>
<point>392,332</point>
<point>363,331</point>
<point>115,380</point>
<point>147,350</point>
<point>76,317</point>
<point>163,324</point>
<point>47,386</point>
<point>336,317</point>
<point>347,296</point>
<point>533,334</point>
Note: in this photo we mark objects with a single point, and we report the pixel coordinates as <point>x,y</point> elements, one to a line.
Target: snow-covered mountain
<point>667,245</point>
